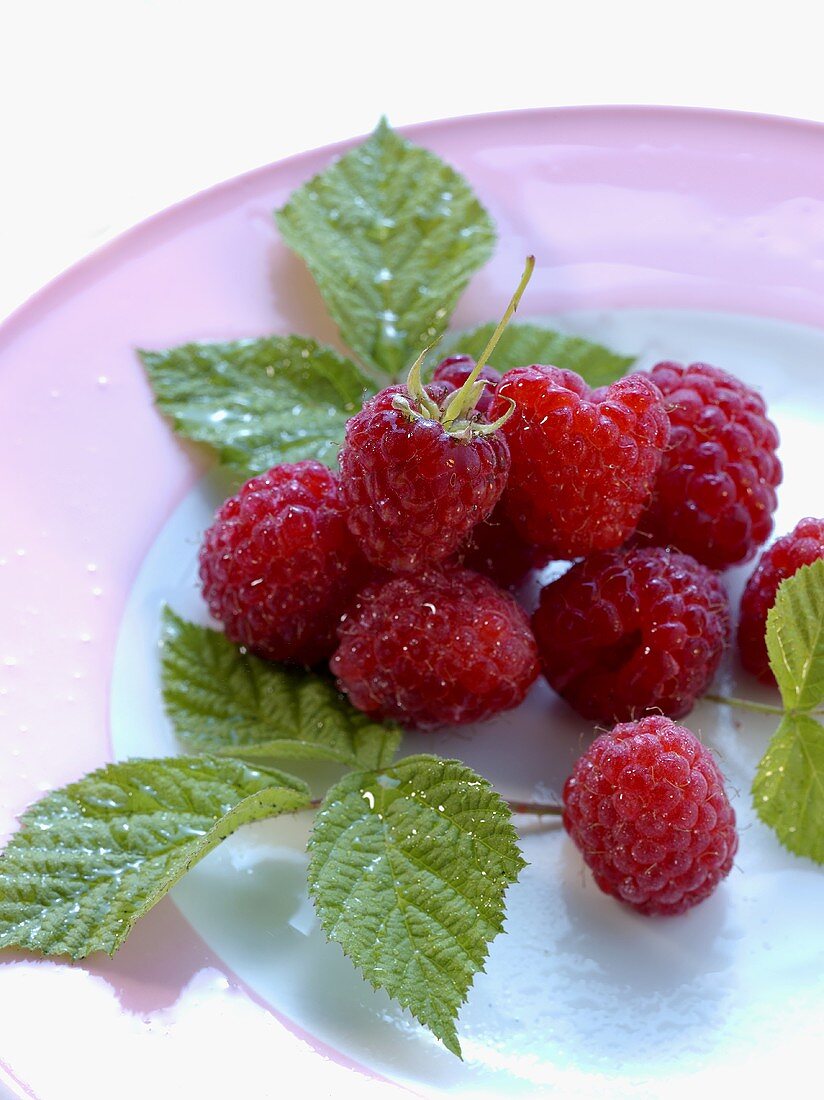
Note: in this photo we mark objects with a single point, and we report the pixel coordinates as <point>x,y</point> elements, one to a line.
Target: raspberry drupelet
<point>802,546</point>
<point>583,461</point>
<point>647,808</point>
<point>716,491</point>
<point>630,631</point>
<point>421,466</point>
<point>443,648</point>
<point>279,565</point>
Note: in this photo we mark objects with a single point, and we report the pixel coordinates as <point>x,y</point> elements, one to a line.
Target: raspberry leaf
<point>391,235</point>
<point>795,638</point>
<point>221,700</point>
<point>92,858</point>
<point>408,870</point>
<point>526,343</point>
<point>788,790</point>
<point>258,402</point>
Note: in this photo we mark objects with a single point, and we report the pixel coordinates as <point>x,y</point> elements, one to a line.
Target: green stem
<point>541,809</point>
<point>745,704</point>
<point>464,398</point>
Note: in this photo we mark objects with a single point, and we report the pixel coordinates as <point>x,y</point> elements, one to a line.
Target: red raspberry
<point>457,368</point>
<point>647,808</point>
<point>414,488</point>
<point>803,546</point>
<point>583,461</point>
<point>629,631</point>
<point>715,494</point>
<point>279,565</point>
<point>441,649</point>
<point>496,550</point>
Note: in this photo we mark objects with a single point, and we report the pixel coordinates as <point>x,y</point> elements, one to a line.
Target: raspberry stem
<point>744,704</point>
<point>464,399</point>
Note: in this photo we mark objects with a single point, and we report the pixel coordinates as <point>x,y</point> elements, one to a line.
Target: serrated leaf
<point>523,344</point>
<point>92,858</point>
<point>788,791</point>
<point>258,402</point>
<point>221,700</point>
<point>391,235</point>
<point>409,868</point>
<point>795,638</point>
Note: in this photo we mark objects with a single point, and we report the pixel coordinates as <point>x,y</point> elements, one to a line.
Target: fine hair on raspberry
<point>802,546</point>
<point>443,648</point>
<point>647,808</point>
<point>627,632</point>
<point>279,565</point>
<point>715,494</point>
<point>584,461</point>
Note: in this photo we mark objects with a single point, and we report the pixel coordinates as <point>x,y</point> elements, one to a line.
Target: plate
<point>667,233</point>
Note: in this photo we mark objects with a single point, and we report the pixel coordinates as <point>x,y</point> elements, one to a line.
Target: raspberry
<point>441,649</point>
<point>413,488</point>
<point>715,494</point>
<point>455,370</point>
<point>583,461</point>
<point>803,546</point>
<point>279,565</point>
<point>629,631</point>
<point>647,808</point>
<point>496,550</point>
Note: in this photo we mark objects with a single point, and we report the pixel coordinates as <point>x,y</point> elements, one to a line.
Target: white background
<point>113,109</point>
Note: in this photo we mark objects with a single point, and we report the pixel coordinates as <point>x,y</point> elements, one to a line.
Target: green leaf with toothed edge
<point>258,403</point>
<point>221,700</point>
<point>409,868</point>
<point>788,791</point>
<point>525,343</point>
<point>795,638</point>
<point>391,235</point>
<point>90,859</point>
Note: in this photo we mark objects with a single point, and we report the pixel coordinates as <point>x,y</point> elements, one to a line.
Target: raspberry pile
<point>395,574</point>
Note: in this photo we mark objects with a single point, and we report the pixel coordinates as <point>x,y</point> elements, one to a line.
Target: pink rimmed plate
<point>667,233</point>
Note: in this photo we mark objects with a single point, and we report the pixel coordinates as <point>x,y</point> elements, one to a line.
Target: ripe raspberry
<point>413,489</point>
<point>647,808</point>
<point>583,461</point>
<point>279,565</point>
<point>496,550</point>
<point>441,649</point>
<point>803,546</point>
<point>715,494</point>
<point>457,368</point>
<point>629,631</point>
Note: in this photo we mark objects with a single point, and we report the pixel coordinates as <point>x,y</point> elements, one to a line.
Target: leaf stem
<point>745,704</point>
<point>541,809</point>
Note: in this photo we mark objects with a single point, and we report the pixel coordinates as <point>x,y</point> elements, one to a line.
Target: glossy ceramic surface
<point>626,209</point>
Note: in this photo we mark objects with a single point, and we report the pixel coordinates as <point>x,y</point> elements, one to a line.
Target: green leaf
<point>788,791</point>
<point>408,870</point>
<point>391,235</point>
<point>795,638</point>
<point>524,344</point>
<point>92,858</point>
<point>258,402</point>
<point>224,701</point>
